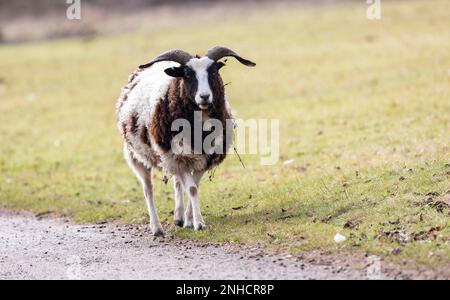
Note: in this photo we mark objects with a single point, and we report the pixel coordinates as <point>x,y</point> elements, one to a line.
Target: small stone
<point>339,238</point>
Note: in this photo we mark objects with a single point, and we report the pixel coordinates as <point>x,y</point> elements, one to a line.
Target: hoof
<point>179,223</point>
<point>188,225</point>
<point>200,226</point>
<point>158,232</point>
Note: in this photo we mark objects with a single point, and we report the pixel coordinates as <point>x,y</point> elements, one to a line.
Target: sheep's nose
<point>205,98</point>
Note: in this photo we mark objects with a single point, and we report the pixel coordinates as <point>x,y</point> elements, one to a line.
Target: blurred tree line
<point>37,7</point>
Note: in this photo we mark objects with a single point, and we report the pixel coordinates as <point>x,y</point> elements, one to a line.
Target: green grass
<point>363,108</point>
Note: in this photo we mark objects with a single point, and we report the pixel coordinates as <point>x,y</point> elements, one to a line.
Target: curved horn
<point>219,52</point>
<point>179,56</point>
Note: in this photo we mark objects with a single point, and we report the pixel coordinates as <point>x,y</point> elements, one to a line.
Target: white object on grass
<point>339,238</point>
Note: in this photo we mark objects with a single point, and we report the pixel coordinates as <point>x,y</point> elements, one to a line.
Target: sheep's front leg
<point>191,184</point>
<point>188,216</point>
<point>178,213</point>
<point>187,220</point>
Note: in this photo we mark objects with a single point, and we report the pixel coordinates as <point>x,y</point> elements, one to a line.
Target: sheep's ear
<point>175,71</point>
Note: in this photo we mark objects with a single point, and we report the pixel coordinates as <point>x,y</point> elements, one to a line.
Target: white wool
<point>152,86</point>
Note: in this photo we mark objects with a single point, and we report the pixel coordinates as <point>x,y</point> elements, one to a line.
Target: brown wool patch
<point>133,124</point>
<point>180,104</point>
<point>144,136</point>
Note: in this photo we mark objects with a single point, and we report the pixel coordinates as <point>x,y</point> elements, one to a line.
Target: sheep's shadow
<point>309,212</point>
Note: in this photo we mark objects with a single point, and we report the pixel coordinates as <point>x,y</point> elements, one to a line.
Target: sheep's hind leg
<point>178,213</point>
<point>145,177</point>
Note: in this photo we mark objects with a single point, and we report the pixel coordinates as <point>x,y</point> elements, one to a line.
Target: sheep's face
<point>201,76</point>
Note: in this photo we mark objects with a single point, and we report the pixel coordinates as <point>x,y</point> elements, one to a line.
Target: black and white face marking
<point>200,66</point>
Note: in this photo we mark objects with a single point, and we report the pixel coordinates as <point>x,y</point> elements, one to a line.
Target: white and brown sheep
<point>173,86</point>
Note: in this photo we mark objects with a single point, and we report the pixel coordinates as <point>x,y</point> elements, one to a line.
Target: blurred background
<point>24,20</point>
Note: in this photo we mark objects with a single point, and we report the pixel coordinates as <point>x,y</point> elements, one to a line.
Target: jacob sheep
<point>175,85</point>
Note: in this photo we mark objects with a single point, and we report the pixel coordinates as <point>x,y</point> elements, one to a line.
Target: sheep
<point>173,86</point>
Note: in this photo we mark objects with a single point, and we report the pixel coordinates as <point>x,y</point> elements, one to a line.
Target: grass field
<point>363,108</point>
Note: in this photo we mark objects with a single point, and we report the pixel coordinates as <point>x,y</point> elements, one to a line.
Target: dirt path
<point>33,248</point>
